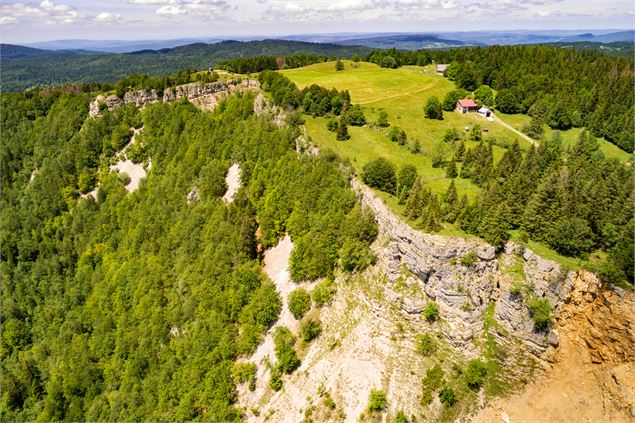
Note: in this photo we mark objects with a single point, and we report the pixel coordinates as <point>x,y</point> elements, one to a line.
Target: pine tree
<point>509,162</point>
<point>450,202</point>
<point>544,208</point>
<point>342,130</point>
<point>494,227</point>
<point>430,216</point>
<point>450,170</point>
<point>460,151</point>
<point>414,200</point>
<point>451,196</point>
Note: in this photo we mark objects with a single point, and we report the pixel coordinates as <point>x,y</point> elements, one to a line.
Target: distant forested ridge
<point>260,63</point>
<point>23,68</point>
<point>561,87</point>
<point>135,306</point>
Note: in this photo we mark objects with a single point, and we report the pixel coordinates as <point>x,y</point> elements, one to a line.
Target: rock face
<point>204,96</point>
<point>462,293</point>
<point>264,107</point>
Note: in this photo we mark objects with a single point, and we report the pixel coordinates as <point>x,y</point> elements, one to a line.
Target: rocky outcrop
<point>204,96</point>
<point>463,293</point>
<point>264,107</point>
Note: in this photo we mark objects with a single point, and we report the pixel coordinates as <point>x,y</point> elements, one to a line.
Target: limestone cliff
<point>204,96</point>
<point>370,332</point>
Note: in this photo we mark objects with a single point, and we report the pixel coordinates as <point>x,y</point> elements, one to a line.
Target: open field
<point>402,93</point>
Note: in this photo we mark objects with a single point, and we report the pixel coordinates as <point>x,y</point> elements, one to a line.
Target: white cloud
<point>207,8</point>
<point>51,13</point>
<point>171,10</point>
<point>107,17</point>
<point>6,20</point>
<point>152,2</point>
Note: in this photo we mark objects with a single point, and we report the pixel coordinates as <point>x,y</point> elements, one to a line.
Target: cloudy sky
<point>44,20</point>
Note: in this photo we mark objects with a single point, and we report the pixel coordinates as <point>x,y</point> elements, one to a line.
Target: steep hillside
<point>198,254</point>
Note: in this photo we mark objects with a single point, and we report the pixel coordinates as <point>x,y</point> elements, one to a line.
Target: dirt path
<point>233,182</point>
<point>514,130</point>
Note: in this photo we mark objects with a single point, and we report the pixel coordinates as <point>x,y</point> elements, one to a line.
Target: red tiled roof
<point>467,102</point>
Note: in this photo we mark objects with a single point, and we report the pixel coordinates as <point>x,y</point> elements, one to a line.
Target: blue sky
<point>25,21</point>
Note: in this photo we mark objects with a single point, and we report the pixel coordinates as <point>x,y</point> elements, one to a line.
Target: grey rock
<point>486,252</point>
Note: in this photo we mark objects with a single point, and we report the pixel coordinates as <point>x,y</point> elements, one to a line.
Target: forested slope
<point>134,306</point>
<point>56,68</point>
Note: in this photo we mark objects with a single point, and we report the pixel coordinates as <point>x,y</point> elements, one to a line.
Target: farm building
<point>485,111</point>
<point>441,68</point>
<point>466,105</point>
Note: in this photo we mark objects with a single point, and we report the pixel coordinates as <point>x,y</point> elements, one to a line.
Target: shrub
<point>447,396</point>
<point>323,292</point>
<point>469,259</point>
<point>398,135</point>
<point>431,311</point>
<point>284,340</point>
<point>299,302</point>
<point>382,120</point>
<point>245,372</point>
<point>377,401</point>
<point>540,311</point>
<point>451,134</point>
<point>328,401</point>
<point>516,289</point>
<point>426,345</point>
<point>276,379</point>
<point>433,109</point>
<point>431,382</point>
<point>339,66</point>
<point>475,374</point>
<point>380,174</point>
<point>401,417</point>
<point>310,329</point>
<point>331,125</point>
<point>355,116</point>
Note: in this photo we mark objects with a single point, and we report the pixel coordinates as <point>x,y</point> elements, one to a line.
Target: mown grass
<point>402,93</point>
<point>569,137</point>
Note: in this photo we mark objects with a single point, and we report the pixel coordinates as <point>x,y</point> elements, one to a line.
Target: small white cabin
<point>485,111</point>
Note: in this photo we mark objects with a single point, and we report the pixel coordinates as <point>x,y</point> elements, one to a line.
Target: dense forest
<point>134,306</point>
<point>260,63</point>
<point>55,68</point>
<point>563,88</point>
<point>575,201</point>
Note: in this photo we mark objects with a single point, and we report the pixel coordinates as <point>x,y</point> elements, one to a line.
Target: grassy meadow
<point>402,93</point>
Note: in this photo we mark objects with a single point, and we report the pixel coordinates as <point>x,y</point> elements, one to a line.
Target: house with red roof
<point>466,105</point>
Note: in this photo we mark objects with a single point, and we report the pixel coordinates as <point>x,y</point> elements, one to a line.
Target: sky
<point>25,21</point>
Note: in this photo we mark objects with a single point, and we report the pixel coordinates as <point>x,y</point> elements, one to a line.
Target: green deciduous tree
<point>380,174</point>
<point>433,109</point>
